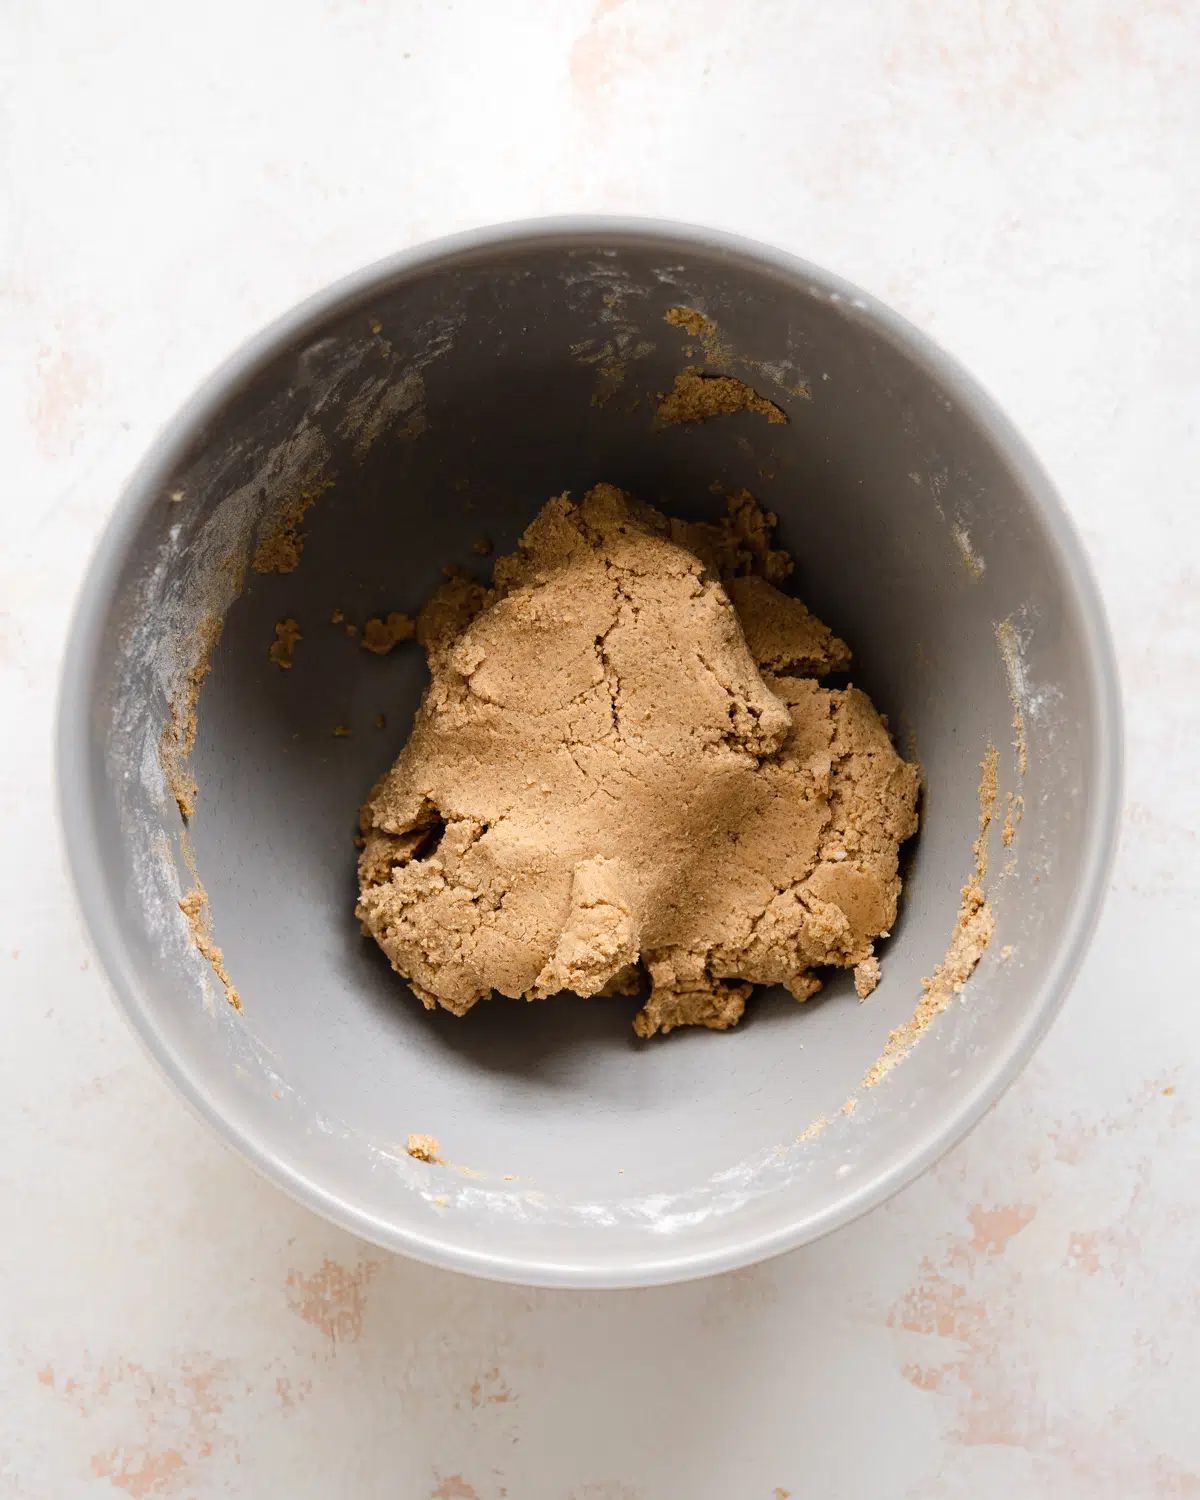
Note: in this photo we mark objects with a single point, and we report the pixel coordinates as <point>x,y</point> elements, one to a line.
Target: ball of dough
<point>625,769</point>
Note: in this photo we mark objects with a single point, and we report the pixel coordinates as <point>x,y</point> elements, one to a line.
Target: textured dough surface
<point>625,768</point>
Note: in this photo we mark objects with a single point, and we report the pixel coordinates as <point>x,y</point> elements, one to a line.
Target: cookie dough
<point>625,769</point>
<point>695,397</point>
<point>287,633</point>
<point>381,635</point>
<point>423,1147</point>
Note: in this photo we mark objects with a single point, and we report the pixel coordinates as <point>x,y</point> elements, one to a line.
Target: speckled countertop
<point>1017,176</point>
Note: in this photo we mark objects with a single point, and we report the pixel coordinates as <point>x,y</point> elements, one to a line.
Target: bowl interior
<point>439,402</point>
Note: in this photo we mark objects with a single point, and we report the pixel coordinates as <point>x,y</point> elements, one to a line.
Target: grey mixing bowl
<point>391,423</point>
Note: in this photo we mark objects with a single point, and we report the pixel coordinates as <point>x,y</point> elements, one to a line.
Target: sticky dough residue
<point>693,322</point>
<point>696,396</point>
<point>178,736</point>
<point>188,602</point>
<point>282,541</point>
<point>973,930</point>
<point>625,768</point>
<point>287,633</point>
<point>1010,650</point>
<point>194,906</point>
<point>718,354</point>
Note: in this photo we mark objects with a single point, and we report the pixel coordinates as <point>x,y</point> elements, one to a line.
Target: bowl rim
<point>82,844</point>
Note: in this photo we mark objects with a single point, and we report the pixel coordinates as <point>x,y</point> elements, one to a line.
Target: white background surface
<point>1018,177</point>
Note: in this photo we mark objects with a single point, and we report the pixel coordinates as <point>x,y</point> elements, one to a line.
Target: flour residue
<point>939,480</point>
<point>181,626</point>
<point>1011,645</point>
<point>620,342</point>
<point>976,566</point>
<point>259,497</point>
<point>385,405</point>
<point>390,400</point>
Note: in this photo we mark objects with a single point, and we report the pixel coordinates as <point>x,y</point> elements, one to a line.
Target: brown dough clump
<point>423,1147</point>
<point>194,906</point>
<point>380,635</point>
<point>287,633</point>
<point>695,397</point>
<point>624,767</point>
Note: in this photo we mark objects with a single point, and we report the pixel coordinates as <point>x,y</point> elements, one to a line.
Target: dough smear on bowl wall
<point>625,766</point>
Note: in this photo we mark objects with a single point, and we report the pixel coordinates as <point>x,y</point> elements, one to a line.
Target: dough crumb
<point>380,635</point>
<point>703,330</point>
<point>694,323</point>
<point>337,617</point>
<point>695,397</point>
<point>340,731</point>
<point>614,778</point>
<point>281,542</point>
<point>1012,816</point>
<point>482,546</point>
<point>423,1147</point>
<point>380,721</point>
<point>287,633</point>
<point>866,976</point>
<point>194,906</point>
